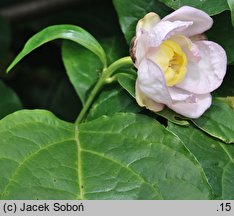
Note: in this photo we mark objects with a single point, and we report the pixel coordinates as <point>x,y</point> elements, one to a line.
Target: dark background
<point>40,79</point>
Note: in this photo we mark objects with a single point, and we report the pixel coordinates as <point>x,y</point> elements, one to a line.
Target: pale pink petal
<point>141,48</point>
<point>144,101</point>
<point>192,109</point>
<point>178,94</point>
<point>201,20</point>
<point>165,29</point>
<point>152,83</point>
<point>206,75</point>
<point>147,23</point>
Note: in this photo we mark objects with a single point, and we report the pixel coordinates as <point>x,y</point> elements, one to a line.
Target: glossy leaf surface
<point>68,32</point>
<point>126,156</point>
<point>218,121</point>
<point>216,158</point>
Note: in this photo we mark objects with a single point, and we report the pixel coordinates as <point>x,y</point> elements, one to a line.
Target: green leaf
<point>223,34</point>
<point>218,121</point>
<point>83,67</point>
<point>172,117</point>
<point>9,101</point>
<point>211,7</point>
<point>231,6</point>
<point>127,81</point>
<point>38,158</point>
<point>130,11</point>
<point>115,48</point>
<point>126,156</point>
<point>113,100</point>
<point>69,32</point>
<point>216,158</point>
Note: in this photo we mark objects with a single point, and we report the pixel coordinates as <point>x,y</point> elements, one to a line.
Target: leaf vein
<point>156,189</point>
<point>27,159</point>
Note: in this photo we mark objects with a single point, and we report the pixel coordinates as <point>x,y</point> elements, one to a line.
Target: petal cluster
<point>177,66</point>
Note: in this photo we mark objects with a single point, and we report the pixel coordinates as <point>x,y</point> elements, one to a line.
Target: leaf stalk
<point>103,80</point>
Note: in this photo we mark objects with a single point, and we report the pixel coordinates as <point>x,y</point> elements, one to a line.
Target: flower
<point>177,66</point>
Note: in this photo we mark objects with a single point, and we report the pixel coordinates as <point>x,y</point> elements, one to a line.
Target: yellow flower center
<point>172,61</point>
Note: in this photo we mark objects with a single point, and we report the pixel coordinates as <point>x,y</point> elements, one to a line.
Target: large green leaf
<point>126,156</point>
<point>38,157</point>
<point>130,11</point>
<point>68,32</point>
<point>9,101</point>
<point>83,67</point>
<point>211,7</point>
<point>218,121</point>
<point>216,158</point>
<point>112,100</point>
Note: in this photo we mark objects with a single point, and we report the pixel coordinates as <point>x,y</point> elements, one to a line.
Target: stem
<point>104,79</point>
<point>118,64</point>
<point>91,97</point>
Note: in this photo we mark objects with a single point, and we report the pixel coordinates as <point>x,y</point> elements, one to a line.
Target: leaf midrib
<point>79,164</point>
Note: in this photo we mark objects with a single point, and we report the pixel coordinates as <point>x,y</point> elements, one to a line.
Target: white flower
<point>177,66</point>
